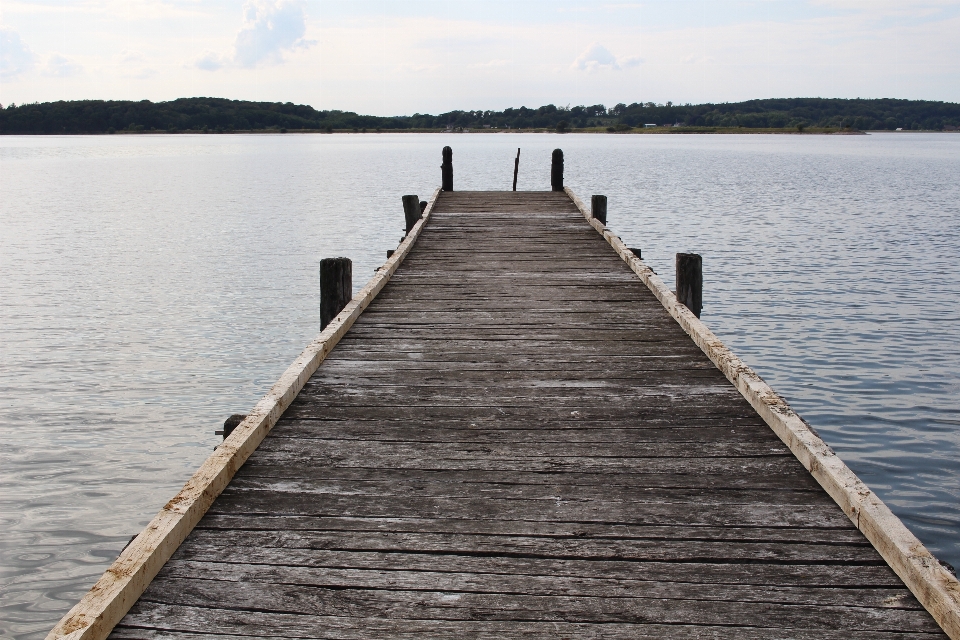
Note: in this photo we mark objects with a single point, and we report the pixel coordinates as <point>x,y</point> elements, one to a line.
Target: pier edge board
<point>105,604</point>
<point>936,588</point>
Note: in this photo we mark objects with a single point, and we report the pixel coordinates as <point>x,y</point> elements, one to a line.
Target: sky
<point>399,57</point>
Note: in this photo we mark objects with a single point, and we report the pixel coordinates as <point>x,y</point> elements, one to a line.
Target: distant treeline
<point>217,114</point>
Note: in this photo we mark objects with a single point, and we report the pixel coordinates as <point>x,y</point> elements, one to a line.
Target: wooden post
<point>598,208</point>
<point>336,288</point>
<point>556,171</point>
<point>411,210</point>
<point>636,252</point>
<point>423,206</point>
<point>690,281</point>
<point>446,170</point>
<point>230,424</point>
<point>516,169</point>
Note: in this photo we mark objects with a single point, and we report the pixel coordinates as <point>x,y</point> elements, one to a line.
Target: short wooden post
<point>516,169</point>
<point>598,208</point>
<point>411,210</point>
<point>446,170</point>
<point>556,171</point>
<point>230,424</point>
<point>423,206</point>
<point>636,252</point>
<point>690,281</point>
<point>336,287</point>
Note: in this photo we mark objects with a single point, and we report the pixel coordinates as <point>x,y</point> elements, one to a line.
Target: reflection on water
<point>153,285</point>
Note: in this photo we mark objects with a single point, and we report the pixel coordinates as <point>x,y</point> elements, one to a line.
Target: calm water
<point>152,285</point>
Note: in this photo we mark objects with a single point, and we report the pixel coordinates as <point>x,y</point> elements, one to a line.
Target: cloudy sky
<point>394,57</point>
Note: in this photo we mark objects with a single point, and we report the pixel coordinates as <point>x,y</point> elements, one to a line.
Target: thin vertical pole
<point>516,169</point>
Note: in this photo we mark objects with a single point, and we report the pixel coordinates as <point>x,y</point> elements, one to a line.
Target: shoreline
<point>591,131</point>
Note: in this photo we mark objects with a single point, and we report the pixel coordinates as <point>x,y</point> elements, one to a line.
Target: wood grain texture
<point>517,439</point>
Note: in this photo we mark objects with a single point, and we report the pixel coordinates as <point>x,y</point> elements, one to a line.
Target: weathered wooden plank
<point>272,570</point>
<point>299,449</point>
<point>506,418</point>
<point>378,367</point>
<point>690,513</point>
<point>288,489</point>
<point>641,398</point>
<point>653,466</point>
<point>354,628</point>
<point>785,477</point>
<point>664,413</point>
<point>483,349</point>
<point>662,471</point>
<point>629,453</point>
<point>519,434</point>
<point>305,483</point>
<point>698,382</point>
<point>215,524</point>
<point>508,631</point>
<point>272,547</point>
<point>461,605</point>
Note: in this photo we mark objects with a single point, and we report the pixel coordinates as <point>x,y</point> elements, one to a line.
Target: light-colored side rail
<point>935,587</point>
<point>118,589</point>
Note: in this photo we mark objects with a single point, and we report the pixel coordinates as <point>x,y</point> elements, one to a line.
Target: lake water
<point>152,285</point>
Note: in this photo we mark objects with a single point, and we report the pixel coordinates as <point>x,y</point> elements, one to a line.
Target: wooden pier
<point>520,433</point>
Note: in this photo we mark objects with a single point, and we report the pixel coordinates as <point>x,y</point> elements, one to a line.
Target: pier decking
<point>516,439</point>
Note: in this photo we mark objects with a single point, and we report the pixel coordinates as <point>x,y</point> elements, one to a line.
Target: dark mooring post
<point>411,210</point>
<point>556,171</point>
<point>423,206</point>
<point>516,169</point>
<point>446,170</point>
<point>336,288</point>
<point>690,281</point>
<point>598,208</point>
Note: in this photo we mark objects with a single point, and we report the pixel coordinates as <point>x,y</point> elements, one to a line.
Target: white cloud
<point>597,57</point>
<point>58,66</point>
<point>491,64</point>
<point>15,57</point>
<point>270,28</point>
<point>133,64</point>
<point>880,8</point>
<point>209,61</point>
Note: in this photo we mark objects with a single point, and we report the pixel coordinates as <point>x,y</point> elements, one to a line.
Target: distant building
<point>649,126</point>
